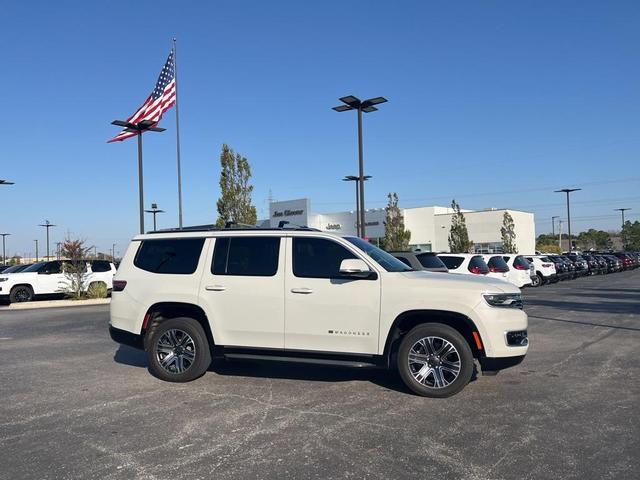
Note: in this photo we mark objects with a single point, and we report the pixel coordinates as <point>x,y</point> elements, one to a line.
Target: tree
<point>234,204</point>
<point>458,235</point>
<point>508,234</point>
<point>596,239</point>
<point>396,237</point>
<point>75,269</point>
<point>631,235</point>
<point>548,248</point>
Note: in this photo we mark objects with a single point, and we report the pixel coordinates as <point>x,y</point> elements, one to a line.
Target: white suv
<point>545,270</point>
<point>187,297</point>
<point>46,279</point>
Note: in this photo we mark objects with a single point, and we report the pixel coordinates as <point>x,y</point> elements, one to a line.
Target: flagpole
<point>140,182</point>
<point>175,72</point>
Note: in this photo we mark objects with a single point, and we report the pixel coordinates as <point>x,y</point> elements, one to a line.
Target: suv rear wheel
<point>537,280</point>
<point>178,350</point>
<point>434,360</point>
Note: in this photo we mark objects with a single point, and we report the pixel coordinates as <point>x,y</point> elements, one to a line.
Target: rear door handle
<point>215,288</point>
<point>303,291</point>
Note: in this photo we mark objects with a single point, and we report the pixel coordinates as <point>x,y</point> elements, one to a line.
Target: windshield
<point>35,267</point>
<point>384,259</point>
<point>14,269</point>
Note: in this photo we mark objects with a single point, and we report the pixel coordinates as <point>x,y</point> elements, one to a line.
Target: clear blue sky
<point>485,99</point>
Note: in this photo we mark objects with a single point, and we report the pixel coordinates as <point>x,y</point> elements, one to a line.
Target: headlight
<point>3,279</point>
<point>507,300</point>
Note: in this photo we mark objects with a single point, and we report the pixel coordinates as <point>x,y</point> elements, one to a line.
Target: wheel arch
<point>409,319</point>
<point>165,310</point>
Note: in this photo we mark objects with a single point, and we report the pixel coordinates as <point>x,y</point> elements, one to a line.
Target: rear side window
<point>247,256</point>
<point>98,266</point>
<point>405,261</point>
<point>452,262</point>
<point>178,256</point>
<point>318,257</point>
<point>430,261</point>
<point>478,265</point>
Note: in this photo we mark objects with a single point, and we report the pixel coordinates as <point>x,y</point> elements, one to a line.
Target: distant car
<point>428,261</point>
<point>16,268</point>
<point>582,266</point>
<point>544,268</point>
<point>520,270</point>
<point>613,263</point>
<point>464,263</point>
<point>47,279</point>
<point>562,268</point>
<point>626,260</point>
<point>596,265</point>
<point>498,268</point>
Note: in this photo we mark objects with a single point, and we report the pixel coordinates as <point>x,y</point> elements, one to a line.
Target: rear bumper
<point>126,338</point>
<point>492,365</point>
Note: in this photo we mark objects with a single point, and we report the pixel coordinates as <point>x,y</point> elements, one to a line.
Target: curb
<point>54,304</point>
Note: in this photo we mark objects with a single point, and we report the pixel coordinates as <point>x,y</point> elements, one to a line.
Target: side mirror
<point>354,267</point>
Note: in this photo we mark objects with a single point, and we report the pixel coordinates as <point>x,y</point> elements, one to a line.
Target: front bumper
<point>126,338</point>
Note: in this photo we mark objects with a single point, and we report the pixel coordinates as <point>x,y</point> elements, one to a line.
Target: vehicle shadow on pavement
<point>590,324</point>
<point>130,356</point>
<point>630,307</point>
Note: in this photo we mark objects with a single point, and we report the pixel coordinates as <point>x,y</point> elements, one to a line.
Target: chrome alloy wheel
<point>434,362</point>
<point>175,351</point>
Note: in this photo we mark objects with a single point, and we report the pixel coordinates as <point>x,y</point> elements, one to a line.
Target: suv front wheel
<point>434,360</point>
<point>178,350</point>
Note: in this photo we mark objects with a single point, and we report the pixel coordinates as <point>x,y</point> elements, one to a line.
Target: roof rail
<point>235,227</point>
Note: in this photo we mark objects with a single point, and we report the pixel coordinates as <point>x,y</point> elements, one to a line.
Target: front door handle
<point>215,288</point>
<point>303,291</point>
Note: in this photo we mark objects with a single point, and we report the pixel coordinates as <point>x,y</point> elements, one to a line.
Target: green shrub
<point>97,290</point>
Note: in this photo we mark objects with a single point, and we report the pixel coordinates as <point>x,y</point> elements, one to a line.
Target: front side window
<point>319,257</point>
<point>246,256</point>
<point>178,256</point>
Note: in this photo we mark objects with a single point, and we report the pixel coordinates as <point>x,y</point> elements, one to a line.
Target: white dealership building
<point>429,226</point>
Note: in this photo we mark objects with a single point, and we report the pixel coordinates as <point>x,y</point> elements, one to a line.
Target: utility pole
<point>553,225</point>
<point>4,253</point>
<point>36,240</point>
<point>58,244</point>
<point>560,234</point>
<point>622,210</point>
<point>113,252</point>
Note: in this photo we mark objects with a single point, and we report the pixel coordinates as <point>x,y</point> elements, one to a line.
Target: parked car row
<point>23,283</point>
<point>522,270</point>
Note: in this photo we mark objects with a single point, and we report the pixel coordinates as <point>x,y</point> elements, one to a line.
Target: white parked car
<point>301,295</point>
<point>464,263</point>
<point>520,270</point>
<point>544,269</point>
<point>47,279</point>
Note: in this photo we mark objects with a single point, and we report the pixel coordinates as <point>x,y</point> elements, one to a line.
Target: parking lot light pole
<point>113,253</point>
<point>36,240</point>
<point>366,106</point>
<point>560,234</point>
<point>622,210</point>
<point>568,191</point>
<point>4,254</point>
<point>553,225</point>
<point>356,180</point>
<point>139,128</point>
<point>154,210</point>
<point>47,224</point>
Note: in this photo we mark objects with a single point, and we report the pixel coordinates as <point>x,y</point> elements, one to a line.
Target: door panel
<point>328,314</point>
<point>244,298</point>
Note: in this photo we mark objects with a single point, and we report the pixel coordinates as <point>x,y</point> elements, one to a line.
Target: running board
<point>314,361</point>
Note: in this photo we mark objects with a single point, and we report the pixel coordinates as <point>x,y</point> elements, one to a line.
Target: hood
<point>458,281</point>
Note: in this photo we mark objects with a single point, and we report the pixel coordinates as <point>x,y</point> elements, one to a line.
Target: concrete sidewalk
<point>55,304</point>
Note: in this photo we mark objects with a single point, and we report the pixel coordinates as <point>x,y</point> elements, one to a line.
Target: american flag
<point>161,99</point>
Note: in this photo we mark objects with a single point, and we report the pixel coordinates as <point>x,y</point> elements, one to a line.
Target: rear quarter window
<point>177,256</point>
<point>452,262</point>
<point>479,264</point>
<point>430,261</point>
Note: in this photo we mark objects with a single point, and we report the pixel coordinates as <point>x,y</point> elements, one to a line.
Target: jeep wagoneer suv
<point>296,294</point>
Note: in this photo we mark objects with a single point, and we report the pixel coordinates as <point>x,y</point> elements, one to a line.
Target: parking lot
<point>76,405</point>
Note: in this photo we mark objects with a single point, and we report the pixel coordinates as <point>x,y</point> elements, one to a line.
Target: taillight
<point>520,267</point>
<point>118,285</point>
<point>547,265</point>
<point>476,270</point>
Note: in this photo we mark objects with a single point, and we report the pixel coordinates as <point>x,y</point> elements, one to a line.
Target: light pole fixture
<point>354,178</point>
<point>47,224</point>
<point>568,191</point>
<point>5,182</point>
<point>366,106</point>
<point>553,225</point>
<point>154,210</point>
<point>622,210</point>
<point>113,253</point>
<point>139,128</point>
<point>4,254</point>
<point>36,240</point>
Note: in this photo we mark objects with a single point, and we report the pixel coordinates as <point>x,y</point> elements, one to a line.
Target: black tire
<point>537,280</point>
<point>21,293</point>
<point>195,354</point>
<point>411,342</point>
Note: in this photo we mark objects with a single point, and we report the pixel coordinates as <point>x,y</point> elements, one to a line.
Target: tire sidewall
<point>15,289</point>
<point>202,359</point>
<point>452,336</point>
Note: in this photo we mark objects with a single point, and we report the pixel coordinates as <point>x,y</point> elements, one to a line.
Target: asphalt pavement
<point>73,404</point>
